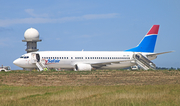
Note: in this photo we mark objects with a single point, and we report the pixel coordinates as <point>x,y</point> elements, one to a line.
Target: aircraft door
<point>37,57</point>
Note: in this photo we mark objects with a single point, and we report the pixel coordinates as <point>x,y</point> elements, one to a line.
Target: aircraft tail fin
<point>148,42</point>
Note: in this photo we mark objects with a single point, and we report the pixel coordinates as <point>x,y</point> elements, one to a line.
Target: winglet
<point>153,30</point>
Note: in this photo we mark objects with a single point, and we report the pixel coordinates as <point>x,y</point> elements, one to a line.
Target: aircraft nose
<point>16,62</point>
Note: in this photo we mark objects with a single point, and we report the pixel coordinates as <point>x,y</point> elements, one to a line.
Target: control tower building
<point>31,36</point>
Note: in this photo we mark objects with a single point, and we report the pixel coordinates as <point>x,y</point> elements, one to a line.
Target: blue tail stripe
<point>146,45</point>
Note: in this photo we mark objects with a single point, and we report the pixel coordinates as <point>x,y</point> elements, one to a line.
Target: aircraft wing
<point>159,53</point>
<point>98,65</point>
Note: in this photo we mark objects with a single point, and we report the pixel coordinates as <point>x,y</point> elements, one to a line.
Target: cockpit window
<point>25,57</point>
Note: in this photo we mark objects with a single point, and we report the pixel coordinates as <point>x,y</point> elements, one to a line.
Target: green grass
<point>90,88</point>
<point>127,95</point>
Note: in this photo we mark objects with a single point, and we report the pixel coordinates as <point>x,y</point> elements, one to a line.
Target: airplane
<point>141,56</point>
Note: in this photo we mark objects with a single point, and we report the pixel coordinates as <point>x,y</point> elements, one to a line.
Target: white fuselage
<point>68,59</point>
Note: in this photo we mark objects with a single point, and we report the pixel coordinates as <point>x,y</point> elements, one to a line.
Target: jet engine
<point>82,67</point>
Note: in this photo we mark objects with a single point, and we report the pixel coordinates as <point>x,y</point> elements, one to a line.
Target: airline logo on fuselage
<point>52,61</point>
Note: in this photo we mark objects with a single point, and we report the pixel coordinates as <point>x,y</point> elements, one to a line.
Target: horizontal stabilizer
<point>159,53</point>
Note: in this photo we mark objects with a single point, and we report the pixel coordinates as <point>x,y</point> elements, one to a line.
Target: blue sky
<point>94,25</point>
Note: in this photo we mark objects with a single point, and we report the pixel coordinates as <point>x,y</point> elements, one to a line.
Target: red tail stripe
<point>154,30</point>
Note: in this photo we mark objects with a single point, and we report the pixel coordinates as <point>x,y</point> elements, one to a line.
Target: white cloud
<point>100,16</point>
<point>31,12</point>
<point>8,22</point>
<point>37,20</point>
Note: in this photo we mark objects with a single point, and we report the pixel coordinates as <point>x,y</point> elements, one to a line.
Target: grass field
<point>97,88</point>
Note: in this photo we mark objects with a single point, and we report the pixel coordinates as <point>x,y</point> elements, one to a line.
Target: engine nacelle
<point>82,67</point>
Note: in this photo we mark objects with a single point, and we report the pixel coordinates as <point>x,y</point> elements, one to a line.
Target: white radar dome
<point>31,34</point>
